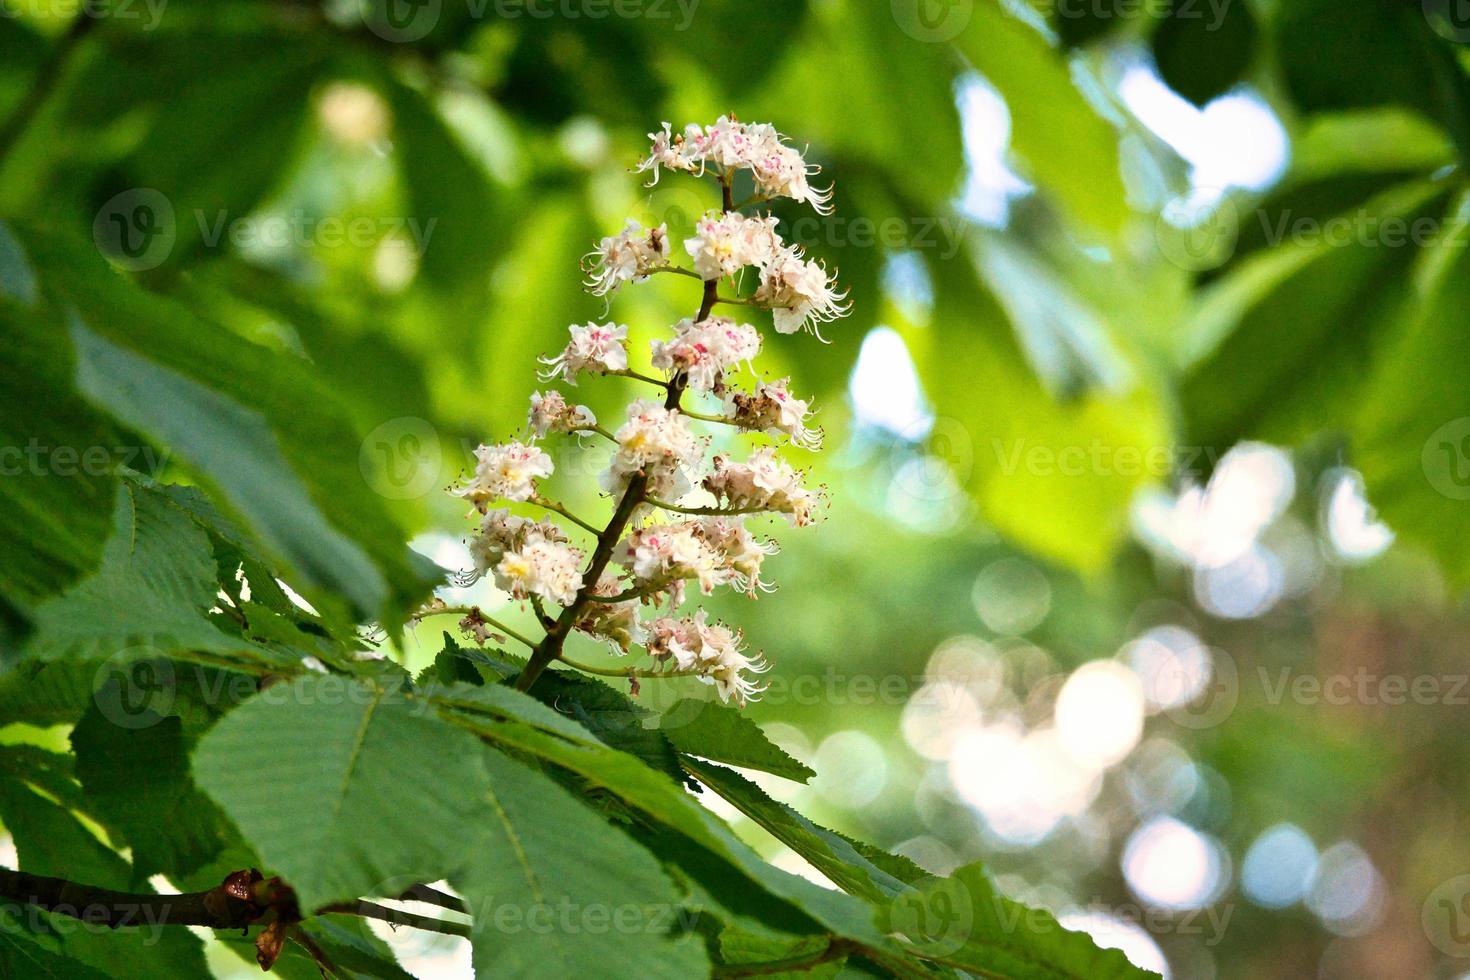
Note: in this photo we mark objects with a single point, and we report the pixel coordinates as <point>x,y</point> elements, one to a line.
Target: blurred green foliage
<point>270,241</point>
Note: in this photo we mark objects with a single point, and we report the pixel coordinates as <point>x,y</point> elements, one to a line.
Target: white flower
<point>501,531</point>
<point>630,255</point>
<point>729,145</point>
<point>741,555</point>
<point>706,350</point>
<point>661,554</point>
<point>656,441</point>
<point>723,243</point>
<point>668,150</point>
<point>505,472</point>
<point>799,293</point>
<point>541,567</point>
<point>595,348</point>
<point>710,649</point>
<point>771,408</point>
<point>764,482</point>
<point>781,171</point>
<point>551,412</point>
<point>615,622</point>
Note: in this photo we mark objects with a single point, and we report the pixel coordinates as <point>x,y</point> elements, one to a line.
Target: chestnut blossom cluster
<point>679,513</point>
<point>729,145</point>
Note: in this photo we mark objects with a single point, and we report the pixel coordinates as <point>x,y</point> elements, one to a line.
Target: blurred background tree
<point>1149,435</point>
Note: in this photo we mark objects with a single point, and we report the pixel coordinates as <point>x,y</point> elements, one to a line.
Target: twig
<point>557,508</point>
<point>398,917</point>
<point>706,511</point>
<point>228,905</point>
<point>627,373</point>
<point>625,671</point>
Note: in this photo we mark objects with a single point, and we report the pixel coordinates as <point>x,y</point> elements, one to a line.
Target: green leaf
<point>614,718</point>
<point>662,800</point>
<point>556,890</point>
<point>51,841</point>
<point>22,956</point>
<point>965,922</point>
<point>341,785</point>
<point>723,734</point>
<point>1025,451</point>
<point>148,598</point>
<point>136,777</point>
<point>1411,428</point>
<point>255,423</point>
<point>1252,378</point>
<point>1070,151</point>
<point>1202,50</point>
<point>55,500</point>
<point>828,852</point>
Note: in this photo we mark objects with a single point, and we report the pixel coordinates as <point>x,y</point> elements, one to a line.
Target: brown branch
<point>232,904</point>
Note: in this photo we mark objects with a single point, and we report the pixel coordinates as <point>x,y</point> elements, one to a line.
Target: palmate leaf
<point>255,424</point>
<point>343,784</point>
<point>828,852</point>
<point>557,891</point>
<point>148,598</point>
<point>1011,447</point>
<point>51,841</point>
<point>23,955</point>
<point>1411,430</point>
<point>55,504</point>
<point>662,801</point>
<point>723,734</point>
<point>1068,148</point>
<point>1249,378</point>
<point>962,921</point>
<point>136,778</point>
